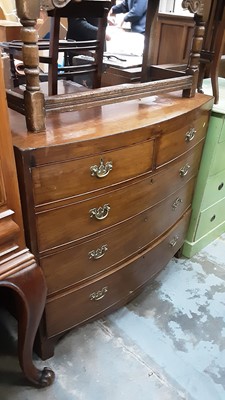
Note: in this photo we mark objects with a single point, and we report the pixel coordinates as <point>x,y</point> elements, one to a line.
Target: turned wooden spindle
<point>195,7</point>
<point>28,12</point>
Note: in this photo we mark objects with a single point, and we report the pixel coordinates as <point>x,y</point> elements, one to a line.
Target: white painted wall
<point>9,9</point>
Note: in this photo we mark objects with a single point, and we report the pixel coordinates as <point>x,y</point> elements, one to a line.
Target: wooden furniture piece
<point>2,14</point>
<point>34,104</point>
<point>173,39</point>
<point>19,273</point>
<point>106,196</point>
<point>9,30</point>
<point>86,8</point>
<point>208,218</point>
<point>213,46</point>
<point>94,48</point>
<point>172,43</point>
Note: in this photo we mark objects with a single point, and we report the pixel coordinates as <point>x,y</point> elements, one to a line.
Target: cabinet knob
<point>184,170</point>
<point>98,253</point>
<point>99,294</point>
<point>100,212</point>
<point>101,170</point>
<point>189,136</point>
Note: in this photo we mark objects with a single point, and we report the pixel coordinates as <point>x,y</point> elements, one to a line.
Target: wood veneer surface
<point>100,121</point>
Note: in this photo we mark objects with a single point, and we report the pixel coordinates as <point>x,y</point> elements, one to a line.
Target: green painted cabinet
<point>208,208</point>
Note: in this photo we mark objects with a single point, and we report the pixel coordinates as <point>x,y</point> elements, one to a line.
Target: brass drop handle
<point>99,294</point>
<point>98,253</point>
<point>101,170</point>
<point>184,170</point>
<point>100,212</point>
<point>173,242</point>
<point>189,136</point>
<point>176,203</point>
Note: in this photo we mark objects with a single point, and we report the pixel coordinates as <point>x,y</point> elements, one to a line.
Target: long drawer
<point>77,306</point>
<point>112,207</point>
<point>92,257</point>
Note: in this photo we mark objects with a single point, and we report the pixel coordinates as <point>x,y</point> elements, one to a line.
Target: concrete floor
<point>167,344</point>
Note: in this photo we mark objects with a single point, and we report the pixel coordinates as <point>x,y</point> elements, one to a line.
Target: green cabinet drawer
<point>214,190</point>
<point>210,219</point>
<point>216,144</point>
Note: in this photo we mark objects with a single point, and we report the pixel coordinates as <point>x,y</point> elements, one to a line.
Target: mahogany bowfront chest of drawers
<point>106,196</point>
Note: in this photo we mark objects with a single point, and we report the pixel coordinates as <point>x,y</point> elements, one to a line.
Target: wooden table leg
<point>29,286</point>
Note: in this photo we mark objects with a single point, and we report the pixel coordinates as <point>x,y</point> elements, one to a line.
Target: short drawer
<point>92,257</point>
<point>210,219</point>
<point>61,180</point>
<point>115,288</point>
<point>71,222</point>
<point>178,141</point>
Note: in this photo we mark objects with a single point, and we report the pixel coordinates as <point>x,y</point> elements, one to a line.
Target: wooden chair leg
<point>219,42</point>
<point>53,54</point>
<point>201,74</point>
<point>99,53</point>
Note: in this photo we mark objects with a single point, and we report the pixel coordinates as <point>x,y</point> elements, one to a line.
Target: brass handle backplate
<point>184,170</point>
<point>176,203</point>
<point>100,212</point>
<point>173,242</point>
<point>189,136</point>
<point>98,253</point>
<point>99,294</point>
<point>101,170</point>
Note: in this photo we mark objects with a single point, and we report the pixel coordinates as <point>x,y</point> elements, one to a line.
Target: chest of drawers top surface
<point>77,130</point>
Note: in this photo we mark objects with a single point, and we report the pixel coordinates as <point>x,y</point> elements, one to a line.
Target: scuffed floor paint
<point>167,344</point>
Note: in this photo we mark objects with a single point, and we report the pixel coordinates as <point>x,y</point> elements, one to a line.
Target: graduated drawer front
<point>77,306</point>
<point>69,223</point>
<point>210,219</point>
<point>73,265</point>
<point>181,139</point>
<point>218,160</point>
<point>214,190</point>
<point>74,177</point>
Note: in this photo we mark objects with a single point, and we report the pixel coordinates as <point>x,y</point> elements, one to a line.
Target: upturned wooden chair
<point>155,80</point>
<point>86,8</point>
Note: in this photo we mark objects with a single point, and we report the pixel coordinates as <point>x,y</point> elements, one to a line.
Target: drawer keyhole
<point>220,186</point>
